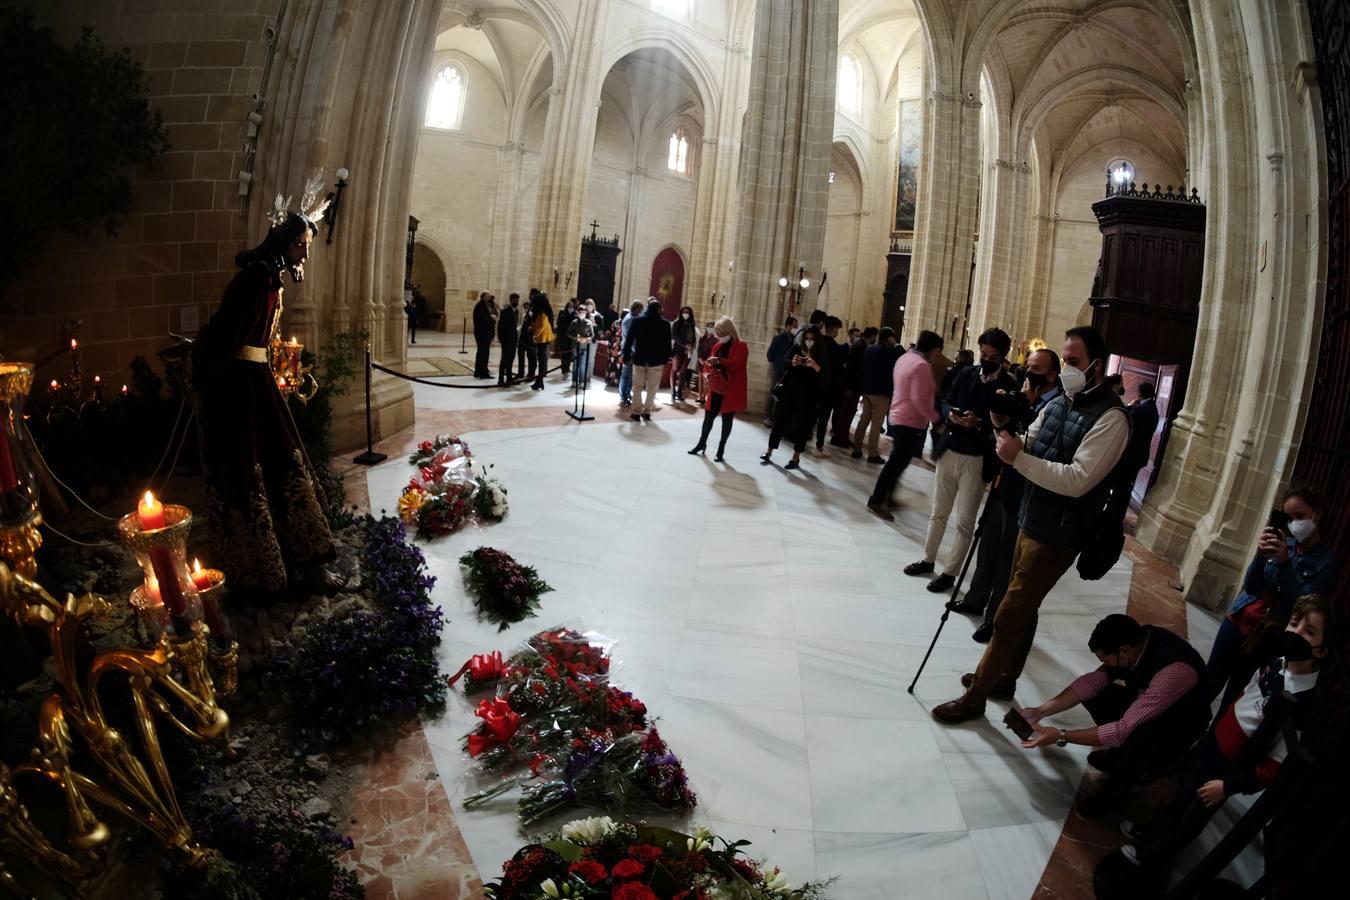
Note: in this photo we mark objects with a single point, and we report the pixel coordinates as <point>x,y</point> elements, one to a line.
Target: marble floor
<point>763,618</point>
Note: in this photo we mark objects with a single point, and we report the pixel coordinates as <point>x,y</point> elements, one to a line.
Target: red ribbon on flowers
<point>500,721</point>
<point>482,667</point>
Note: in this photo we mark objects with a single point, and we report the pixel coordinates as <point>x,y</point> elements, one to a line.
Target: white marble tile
<point>748,670</point>
<point>901,866</point>
<point>878,776</point>
<point>865,680</point>
<point>998,783</point>
<point>1013,857</point>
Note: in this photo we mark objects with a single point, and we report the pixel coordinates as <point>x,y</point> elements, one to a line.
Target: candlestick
<point>150,512</point>
<point>9,478</point>
<point>209,590</point>
<point>170,589</point>
<point>152,591</point>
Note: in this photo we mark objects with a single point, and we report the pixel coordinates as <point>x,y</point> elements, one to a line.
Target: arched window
<point>676,9</point>
<point>850,85</point>
<point>445,108</point>
<point>678,160</point>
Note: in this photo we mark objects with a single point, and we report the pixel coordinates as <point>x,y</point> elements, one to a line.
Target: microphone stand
<point>580,385</point>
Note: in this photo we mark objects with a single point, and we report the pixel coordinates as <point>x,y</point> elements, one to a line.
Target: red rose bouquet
<point>598,858</point>
<point>504,591</point>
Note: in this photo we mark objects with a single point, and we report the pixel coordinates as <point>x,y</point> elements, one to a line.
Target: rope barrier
<point>461,387</point>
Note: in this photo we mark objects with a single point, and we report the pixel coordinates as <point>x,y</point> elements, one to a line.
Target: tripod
<point>989,501</point>
<point>580,382</point>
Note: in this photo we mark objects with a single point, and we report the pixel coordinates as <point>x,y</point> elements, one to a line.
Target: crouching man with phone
<point>1147,698</point>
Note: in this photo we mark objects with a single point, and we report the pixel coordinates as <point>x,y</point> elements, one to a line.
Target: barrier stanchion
<point>370,457</point>
<point>464,335</point>
<point>579,385</point>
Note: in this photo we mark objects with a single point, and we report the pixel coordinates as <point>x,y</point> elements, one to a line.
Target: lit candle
<point>74,344</point>
<point>124,390</point>
<point>170,588</point>
<point>54,387</point>
<point>150,512</point>
<point>152,591</point>
<point>199,576</point>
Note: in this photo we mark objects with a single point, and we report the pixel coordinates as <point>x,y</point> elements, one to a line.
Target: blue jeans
<point>582,364</point>
<point>626,384</point>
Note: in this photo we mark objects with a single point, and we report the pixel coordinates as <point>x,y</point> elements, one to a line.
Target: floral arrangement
<point>598,858</point>
<point>555,713</point>
<point>489,498</point>
<point>373,663</point>
<point>445,495</point>
<point>504,591</point>
<point>444,447</point>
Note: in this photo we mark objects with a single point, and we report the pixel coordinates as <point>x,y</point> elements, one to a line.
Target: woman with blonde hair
<point>724,371</point>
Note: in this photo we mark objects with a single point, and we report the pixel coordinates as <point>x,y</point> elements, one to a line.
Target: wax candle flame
<point>124,389</point>
<point>97,380</point>
<point>149,498</point>
<point>55,384</point>
<point>74,343</point>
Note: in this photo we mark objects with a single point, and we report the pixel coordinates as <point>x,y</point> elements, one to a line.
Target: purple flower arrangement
<point>375,665</point>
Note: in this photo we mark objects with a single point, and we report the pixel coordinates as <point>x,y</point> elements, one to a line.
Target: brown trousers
<point>1036,569</point>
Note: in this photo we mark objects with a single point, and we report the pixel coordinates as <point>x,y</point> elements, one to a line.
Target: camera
<point>1015,407</point>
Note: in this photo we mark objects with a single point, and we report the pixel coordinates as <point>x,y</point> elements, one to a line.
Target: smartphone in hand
<point>1018,724</point>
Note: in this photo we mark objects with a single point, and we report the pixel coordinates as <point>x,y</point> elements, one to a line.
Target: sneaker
<point>1130,852</point>
<point>877,460</point>
<point>941,584</point>
<point>1135,832</point>
<point>880,511</point>
<point>922,567</point>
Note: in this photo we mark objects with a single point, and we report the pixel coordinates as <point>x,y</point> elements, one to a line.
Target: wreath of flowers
<point>446,493</point>
<point>503,590</point>
<point>599,858</point>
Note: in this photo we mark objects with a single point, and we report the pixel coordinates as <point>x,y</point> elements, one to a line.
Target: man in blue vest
<point>1069,454</point>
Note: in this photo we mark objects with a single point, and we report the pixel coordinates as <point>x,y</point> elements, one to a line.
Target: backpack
<point>1104,523</point>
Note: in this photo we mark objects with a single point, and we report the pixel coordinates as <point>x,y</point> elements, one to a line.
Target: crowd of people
<point>1034,463</point>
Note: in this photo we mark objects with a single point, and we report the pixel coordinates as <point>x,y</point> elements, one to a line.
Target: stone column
<point>1005,246</point>
<point>569,145</point>
<point>949,192</point>
<point>789,131</point>
<point>1261,304</point>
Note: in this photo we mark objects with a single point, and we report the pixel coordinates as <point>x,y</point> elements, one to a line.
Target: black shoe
<point>877,460</point>
<point>697,450</point>
<point>880,511</point>
<point>857,454</point>
<point>635,417</point>
<point>766,459</point>
<point>847,445</point>
<point>965,608</point>
<point>941,584</point>
<point>984,634</point>
<point>792,464</point>
<point>922,567</point>
<point>646,417</point>
<point>718,457</point>
<point>1004,688</point>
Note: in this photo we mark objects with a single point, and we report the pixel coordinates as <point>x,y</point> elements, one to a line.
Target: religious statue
<point>265,512</point>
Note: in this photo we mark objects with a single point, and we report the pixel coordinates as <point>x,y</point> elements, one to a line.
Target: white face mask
<point>724,339</point>
<point>1302,529</point>
<point>687,316</point>
<point>1072,380</point>
<point>809,343</point>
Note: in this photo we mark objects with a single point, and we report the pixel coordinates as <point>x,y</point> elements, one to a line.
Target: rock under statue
<point>264,507</point>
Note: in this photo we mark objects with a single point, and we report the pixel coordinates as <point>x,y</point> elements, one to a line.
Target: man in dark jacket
<point>648,350</point>
<point>840,431</point>
<point>525,355</point>
<point>508,329</point>
<point>778,354</point>
<point>1143,422</point>
<point>482,335</point>
<point>832,394</point>
<point>876,384</point>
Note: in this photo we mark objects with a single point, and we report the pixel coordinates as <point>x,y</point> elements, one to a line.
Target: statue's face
<point>297,253</point>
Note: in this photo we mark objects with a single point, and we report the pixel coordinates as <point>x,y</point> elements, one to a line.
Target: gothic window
<point>445,109</point>
<point>678,160</point>
<point>850,85</point>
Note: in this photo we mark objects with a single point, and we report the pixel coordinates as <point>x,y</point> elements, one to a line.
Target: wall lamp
<point>335,201</point>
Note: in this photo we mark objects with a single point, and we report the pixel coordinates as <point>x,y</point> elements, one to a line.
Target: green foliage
<point>78,121</point>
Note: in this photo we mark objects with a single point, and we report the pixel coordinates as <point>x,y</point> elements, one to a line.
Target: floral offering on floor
<point>446,494</point>
<point>504,591</point>
<point>599,858</point>
<point>555,714</point>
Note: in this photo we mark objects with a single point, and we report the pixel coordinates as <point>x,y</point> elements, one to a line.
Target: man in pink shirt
<point>911,412</point>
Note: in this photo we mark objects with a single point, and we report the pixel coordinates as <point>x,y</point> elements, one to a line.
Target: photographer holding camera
<point>1014,412</point>
<point>1067,459</point>
<point>1291,561</point>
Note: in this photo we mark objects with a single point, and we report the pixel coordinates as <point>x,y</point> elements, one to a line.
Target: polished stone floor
<point>763,618</point>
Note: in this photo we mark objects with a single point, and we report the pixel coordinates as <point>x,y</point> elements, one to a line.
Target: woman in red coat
<point>724,371</point>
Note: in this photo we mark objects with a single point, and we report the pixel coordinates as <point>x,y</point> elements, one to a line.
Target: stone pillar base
<point>391,411</point>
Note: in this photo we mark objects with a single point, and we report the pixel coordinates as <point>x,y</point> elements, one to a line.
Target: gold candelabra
<point>293,376</point>
<point>125,774</point>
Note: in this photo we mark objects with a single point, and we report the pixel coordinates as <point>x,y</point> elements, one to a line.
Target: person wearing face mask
<point>1146,700</point>
<point>778,353</point>
<point>1067,459</point>
<point>965,459</point>
<point>706,344</point>
<point>724,374</point>
<point>581,335</point>
<point>993,558</point>
<point>1224,764</point>
<point>684,334</point>
<point>1291,561</point>
<point>484,325</point>
<point>798,393</point>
